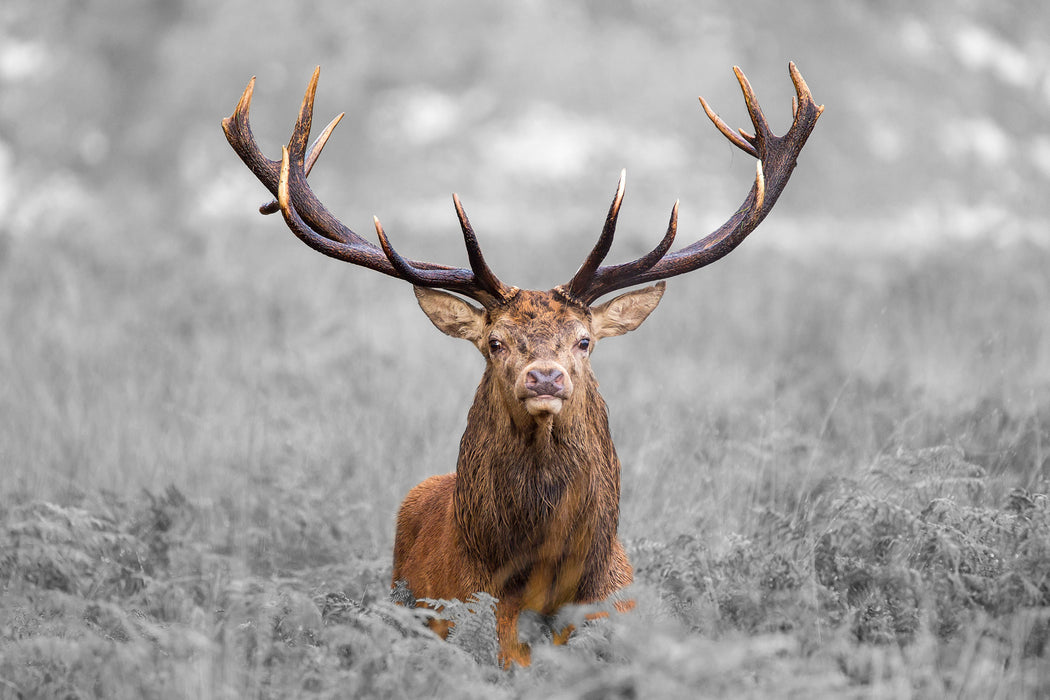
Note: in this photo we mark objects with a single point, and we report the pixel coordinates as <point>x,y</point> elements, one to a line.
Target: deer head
<point>537,345</point>
<point>530,515</point>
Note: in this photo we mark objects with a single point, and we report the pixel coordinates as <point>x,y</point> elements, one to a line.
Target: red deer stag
<point>531,512</point>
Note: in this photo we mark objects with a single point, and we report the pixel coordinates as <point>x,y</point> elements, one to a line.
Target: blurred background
<point>153,318</point>
<point>936,122</point>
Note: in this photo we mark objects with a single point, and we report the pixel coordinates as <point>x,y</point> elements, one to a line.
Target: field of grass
<point>836,441</point>
<point>835,477</point>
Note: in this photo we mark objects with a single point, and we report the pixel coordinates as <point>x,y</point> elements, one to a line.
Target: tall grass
<point>205,441</point>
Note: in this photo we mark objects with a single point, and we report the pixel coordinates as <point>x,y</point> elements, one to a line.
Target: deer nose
<point>545,382</point>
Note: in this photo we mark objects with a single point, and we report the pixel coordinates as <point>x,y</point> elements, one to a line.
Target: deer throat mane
<point>514,486</point>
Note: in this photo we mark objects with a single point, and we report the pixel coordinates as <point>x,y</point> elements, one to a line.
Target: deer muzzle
<point>544,387</point>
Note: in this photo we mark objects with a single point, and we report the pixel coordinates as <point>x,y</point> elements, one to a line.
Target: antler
<point>776,159</point>
<point>308,218</point>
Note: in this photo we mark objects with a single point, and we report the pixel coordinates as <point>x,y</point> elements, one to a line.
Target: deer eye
<point>495,346</point>
<point>584,343</point>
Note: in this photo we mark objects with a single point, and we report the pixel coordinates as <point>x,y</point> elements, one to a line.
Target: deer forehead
<point>539,319</point>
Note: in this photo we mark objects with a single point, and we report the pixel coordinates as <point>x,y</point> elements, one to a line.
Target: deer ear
<point>626,312</point>
<point>451,315</point>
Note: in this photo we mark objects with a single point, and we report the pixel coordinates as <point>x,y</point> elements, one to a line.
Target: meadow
<point>834,479</point>
<point>835,441</point>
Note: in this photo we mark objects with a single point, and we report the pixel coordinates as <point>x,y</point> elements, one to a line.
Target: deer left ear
<point>626,312</point>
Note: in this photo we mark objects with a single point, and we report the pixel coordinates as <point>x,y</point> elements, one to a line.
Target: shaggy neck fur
<point>542,493</point>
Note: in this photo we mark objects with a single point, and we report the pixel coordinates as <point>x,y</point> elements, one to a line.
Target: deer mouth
<point>543,404</point>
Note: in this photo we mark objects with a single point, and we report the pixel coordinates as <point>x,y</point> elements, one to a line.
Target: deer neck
<point>521,481</point>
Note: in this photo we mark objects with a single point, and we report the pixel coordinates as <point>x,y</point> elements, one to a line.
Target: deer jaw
<point>537,345</point>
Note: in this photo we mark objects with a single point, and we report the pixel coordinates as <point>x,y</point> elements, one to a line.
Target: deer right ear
<point>451,315</point>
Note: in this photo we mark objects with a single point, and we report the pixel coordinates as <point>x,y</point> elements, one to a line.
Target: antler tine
<point>484,288</point>
<point>804,96</point>
<point>238,131</point>
<point>484,274</point>
<point>464,282</point>
<point>245,103</point>
<point>727,130</point>
<point>612,276</point>
<point>801,88</point>
<point>760,186</point>
<point>272,207</point>
<point>239,119</point>
<point>583,277</point>
<point>754,110</point>
<point>305,120</point>
<point>404,268</point>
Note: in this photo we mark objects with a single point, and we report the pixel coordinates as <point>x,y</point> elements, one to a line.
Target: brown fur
<point>531,513</point>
